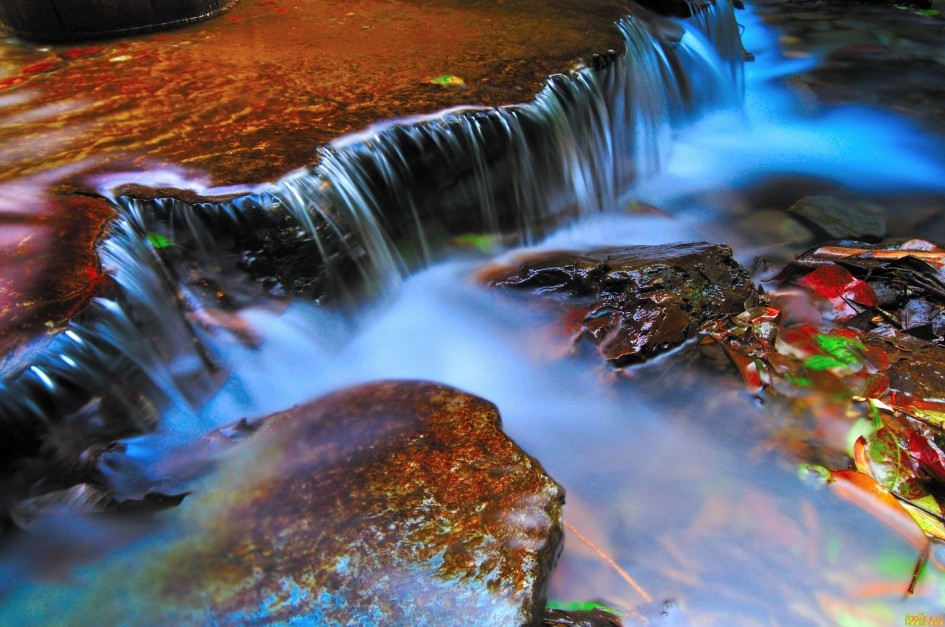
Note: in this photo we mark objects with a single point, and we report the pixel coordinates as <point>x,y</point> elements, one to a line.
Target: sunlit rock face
<point>397,503</point>
<point>636,301</point>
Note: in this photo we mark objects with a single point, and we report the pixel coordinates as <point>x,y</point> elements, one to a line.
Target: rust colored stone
<point>241,99</point>
<point>640,300</point>
<point>50,268</point>
<point>248,97</point>
<point>399,503</point>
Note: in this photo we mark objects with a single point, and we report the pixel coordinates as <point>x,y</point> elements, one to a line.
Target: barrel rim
<point>72,35</point>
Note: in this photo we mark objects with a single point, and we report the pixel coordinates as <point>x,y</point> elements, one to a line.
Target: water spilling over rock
<point>377,205</point>
<point>393,197</point>
<point>665,501</point>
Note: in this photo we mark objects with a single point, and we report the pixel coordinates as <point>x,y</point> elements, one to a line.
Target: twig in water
<point>918,567</point>
<point>626,576</point>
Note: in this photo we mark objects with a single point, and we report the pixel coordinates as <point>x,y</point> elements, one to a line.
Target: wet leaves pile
<point>849,356</point>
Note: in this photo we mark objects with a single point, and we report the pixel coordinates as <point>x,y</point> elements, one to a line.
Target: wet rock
<point>838,217</point>
<point>85,498</point>
<point>399,503</point>
<point>596,617</point>
<point>602,61</point>
<point>639,300</point>
<point>50,270</point>
<point>256,126</point>
<point>919,372</point>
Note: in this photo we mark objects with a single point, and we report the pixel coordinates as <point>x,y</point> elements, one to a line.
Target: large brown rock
<point>639,300</point>
<point>397,503</point>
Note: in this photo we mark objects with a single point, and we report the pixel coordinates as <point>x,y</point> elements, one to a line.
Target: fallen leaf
<point>841,288</point>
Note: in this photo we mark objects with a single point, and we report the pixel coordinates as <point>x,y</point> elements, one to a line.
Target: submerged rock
<point>596,617</point>
<point>639,300</point>
<point>399,503</point>
<point>838,217</point>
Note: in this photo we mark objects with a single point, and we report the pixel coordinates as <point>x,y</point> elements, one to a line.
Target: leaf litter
<point>865,384</point>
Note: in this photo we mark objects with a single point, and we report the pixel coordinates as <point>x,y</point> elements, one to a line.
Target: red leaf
<point>929,457</point>
<point>877,356</point>
<point>875,386</point>
<point>828,280</point>
<point>11,81</point>
<point>748,367</point>
<point>75,53</point>
<point>757,315</point>
<point>885,457</point>
<point>860,292</point>
<point>46,66</point>
<point>840,287</point>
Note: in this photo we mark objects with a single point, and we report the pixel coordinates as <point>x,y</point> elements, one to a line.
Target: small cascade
<point>128,361</point>
<point>377,205</point>
<point>226,304</point>
<point>390,199</point>
<point>716,21</point>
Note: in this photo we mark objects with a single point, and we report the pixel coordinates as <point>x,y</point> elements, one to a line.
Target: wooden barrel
<point>63,20</point>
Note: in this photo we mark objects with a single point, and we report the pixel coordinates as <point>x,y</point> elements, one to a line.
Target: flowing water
<point>666,466</point>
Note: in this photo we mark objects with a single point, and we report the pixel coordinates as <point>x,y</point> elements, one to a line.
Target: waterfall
<point>127,357</point>
<point>375,206</point>
<point>389,199</point>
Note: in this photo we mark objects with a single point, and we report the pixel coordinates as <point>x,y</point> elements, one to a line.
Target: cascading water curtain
<point>381,203</point>
<point>400,187</point>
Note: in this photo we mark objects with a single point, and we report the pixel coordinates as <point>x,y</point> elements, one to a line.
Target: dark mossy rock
<point>399,503</point>
<point>640,300</point>
<point>596,617</point>
<point>838,217</point>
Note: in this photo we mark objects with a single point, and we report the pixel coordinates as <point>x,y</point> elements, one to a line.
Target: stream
<point>667,466</point>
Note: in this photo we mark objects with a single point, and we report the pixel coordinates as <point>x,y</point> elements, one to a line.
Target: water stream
<point>664,465</point>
